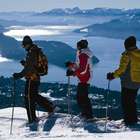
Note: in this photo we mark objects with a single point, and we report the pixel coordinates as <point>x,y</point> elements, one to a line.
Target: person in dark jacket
<point>129,72</point>
<point>32,81</point>
<point>82,68</point>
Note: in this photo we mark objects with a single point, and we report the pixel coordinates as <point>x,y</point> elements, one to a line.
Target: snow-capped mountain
<point>90,12</point>
<point>59,11</point>
<point>67,16</point>
<point>73,11</point>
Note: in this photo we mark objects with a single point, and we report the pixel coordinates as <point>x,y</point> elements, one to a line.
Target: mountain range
<point>117,28</point>
<point>90,12</point>
<point>67,16</point>
<point>74,11</point>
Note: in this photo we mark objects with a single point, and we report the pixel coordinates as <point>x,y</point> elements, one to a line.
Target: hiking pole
<point>13,105</point>
<point>37,110</point>
<point>69,103</point>
<point>68,96</point>
<point>107,105</point>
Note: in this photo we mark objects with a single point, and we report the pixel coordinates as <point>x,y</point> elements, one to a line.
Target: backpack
<point>42,67</point>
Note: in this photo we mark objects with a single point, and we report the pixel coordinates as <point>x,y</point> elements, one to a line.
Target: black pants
<point>32,98</point>
<point>84,101</point>
<point>128,98</point>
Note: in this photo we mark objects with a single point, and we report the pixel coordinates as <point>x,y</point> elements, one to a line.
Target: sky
<point>43,5</point>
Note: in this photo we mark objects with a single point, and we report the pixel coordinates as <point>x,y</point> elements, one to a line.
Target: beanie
<point>82,44</point>
<point>130,42</point>
<point>27,40</point>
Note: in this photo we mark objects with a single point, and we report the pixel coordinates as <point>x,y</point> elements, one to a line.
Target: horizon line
<point>69,8</point>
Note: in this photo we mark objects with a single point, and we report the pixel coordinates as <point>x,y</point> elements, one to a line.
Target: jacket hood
<point>87,51</point>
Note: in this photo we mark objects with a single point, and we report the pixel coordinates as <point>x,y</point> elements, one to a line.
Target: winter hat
<point>130,43</point>
<point>27,40</point>
<point>82,44</point>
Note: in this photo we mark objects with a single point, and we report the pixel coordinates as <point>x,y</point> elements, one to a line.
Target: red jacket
<point>83,66</point>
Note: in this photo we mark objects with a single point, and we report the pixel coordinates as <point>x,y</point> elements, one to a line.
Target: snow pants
<point>128,98</point>
<point>84,101</point>
<point>32,98</point>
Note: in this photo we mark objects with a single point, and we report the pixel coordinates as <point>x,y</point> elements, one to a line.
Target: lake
<point>106,49</point>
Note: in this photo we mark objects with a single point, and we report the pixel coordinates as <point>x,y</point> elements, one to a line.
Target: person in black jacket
<point>32,81</point>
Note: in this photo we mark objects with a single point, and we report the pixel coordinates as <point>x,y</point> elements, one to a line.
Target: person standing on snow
<point>32,80</point>
<point>82,68</point>
<point>129,72</point>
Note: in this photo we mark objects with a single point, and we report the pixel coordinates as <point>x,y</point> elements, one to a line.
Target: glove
<point>68,64</point>
<point>22,62</point>
<point>69,72</point>
<point>110,76</point>
<point>16,76</point>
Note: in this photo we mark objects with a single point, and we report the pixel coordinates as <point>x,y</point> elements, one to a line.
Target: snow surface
<point>60,127</point>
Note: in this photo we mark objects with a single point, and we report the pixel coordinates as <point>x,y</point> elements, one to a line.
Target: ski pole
<point>37,110</point>
<point>69,103</point>
<point>68,96</point>
<point>13,105</point>
<point>107,105</point>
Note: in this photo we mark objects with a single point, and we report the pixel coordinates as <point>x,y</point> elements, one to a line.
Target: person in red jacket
<point>82,68</point>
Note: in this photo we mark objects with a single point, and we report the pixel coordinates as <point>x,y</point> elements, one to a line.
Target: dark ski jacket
<point>29,71</point>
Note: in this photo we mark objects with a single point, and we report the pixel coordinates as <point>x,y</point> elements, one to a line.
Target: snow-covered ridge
<point>75,11</point>
<point>95,11</point>
<point>59,126</point>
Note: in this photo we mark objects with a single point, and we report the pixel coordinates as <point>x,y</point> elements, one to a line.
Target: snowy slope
<point>59,127</point>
